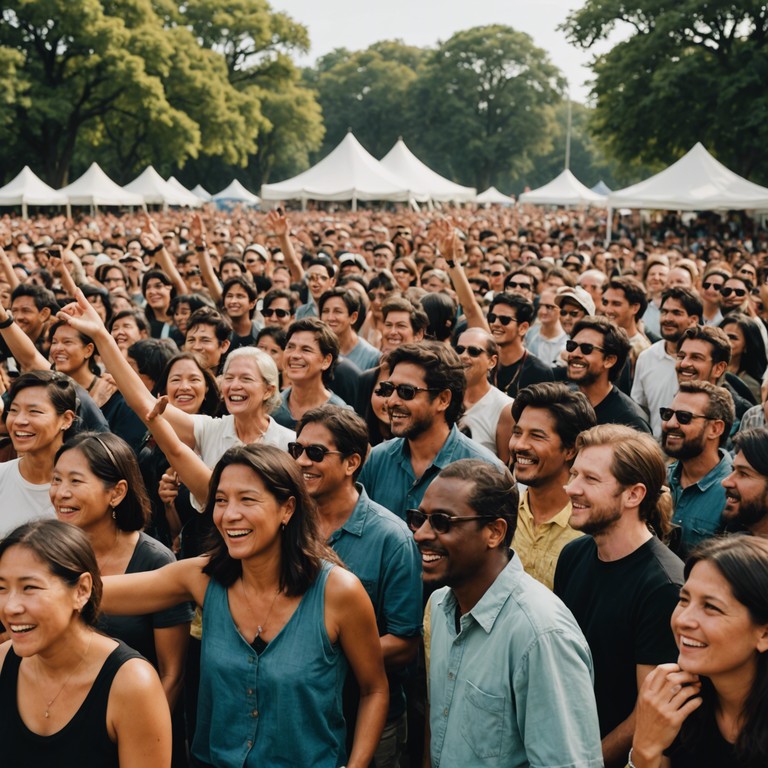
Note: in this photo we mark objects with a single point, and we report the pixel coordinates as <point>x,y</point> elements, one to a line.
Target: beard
<point>600,519</point>
<point>750,511</point>
<point>411,430</point>
<point>689,448</point>
<point>585,378</point>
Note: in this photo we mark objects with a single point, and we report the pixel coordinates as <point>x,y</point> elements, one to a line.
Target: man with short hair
<point>425,395</point>
<point>320,277</point>
<point>238,297</point>
<point>624,302</point>
<point>746,488</point>
<point>575,303</point>
<point>509,318</point>
<point>331,445</point>
<point>340,309</point>
<point>278,308</point>
<point>655,381</point>
<point>592,281</point>
<point>547,420</point>
<point>620,581</point>
<point>404,323</point>
<point>546,338</point>
<point>596,354</point>
<point>32,307</point>
<point>695,429</point>
<point>509,671</point>
<point>209,335</point>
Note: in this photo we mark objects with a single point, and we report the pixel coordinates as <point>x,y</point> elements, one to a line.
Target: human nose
<point>424,532</point>
<point>727,482</point>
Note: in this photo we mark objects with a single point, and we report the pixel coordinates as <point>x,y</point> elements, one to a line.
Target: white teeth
<point>237,533</point>
<point>21,627</point>
<point>689,643</point>
<point>237,398</point>
<point>67,510</point>
<point>524,461</point>
<point>430,558</point>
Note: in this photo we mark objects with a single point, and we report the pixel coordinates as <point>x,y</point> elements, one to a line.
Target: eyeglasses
<point>401,271</point>
<point>404,391</point>
<point>279,312</point>
<point>471,351</point>
<point>572,266</point>
<point>439,521</point>
<point>716,286</point>
<point>574,313</point>
<point>498,274</point>
<point>683,417</point>
<point>523,286</point>
<point>740,292</point>
<point>485,271</point>
<point>315,453</point>
<point>585,347</point>
<point>315,277</point>
<point>505,320</point>
<point>548,306</point>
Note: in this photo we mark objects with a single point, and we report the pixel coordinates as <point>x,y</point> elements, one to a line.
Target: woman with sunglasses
<point>711,285</point>
<point>711,707</point>
<point>748,354</point>
<point>280,620</point>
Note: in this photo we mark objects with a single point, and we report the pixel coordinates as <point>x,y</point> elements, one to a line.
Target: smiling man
<point>208,335</point>
<point>340,310</point>
<point>501,645</point>
<point>620,581</point>
<point>746,488</point>
<point>404,323</point>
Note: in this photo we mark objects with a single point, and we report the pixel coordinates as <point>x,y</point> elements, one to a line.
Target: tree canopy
<point>689,71</point>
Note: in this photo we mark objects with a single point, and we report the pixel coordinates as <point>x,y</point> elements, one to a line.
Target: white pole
<point>568,135</point>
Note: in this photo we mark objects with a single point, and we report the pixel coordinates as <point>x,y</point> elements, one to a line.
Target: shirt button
<point>250,691</point>
<point>450,675</point>
<point>445,712</point>
<point>255,713</point>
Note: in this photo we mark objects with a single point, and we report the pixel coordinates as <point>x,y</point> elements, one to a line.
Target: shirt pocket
<point>482,721</point>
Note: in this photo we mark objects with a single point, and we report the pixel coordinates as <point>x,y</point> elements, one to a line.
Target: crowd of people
<point>383,488</point>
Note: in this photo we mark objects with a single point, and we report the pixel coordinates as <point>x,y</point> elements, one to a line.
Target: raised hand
<point>277,222</point>
<point>447,239</point>
<point>197,228</point>
<point>82,316</point>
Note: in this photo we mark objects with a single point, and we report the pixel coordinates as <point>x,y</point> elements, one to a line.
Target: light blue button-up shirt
<point>514,686</point>
<point>388,475</point>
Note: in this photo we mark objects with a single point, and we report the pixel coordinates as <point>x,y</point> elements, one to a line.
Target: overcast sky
<point>355,24</point>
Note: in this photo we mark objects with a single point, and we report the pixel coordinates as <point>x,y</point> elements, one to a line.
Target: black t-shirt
<point>249,340</point>
<point>529,369</point>
<point>623,608</point>
<point>617,408</point>
<point>344,383</point>
<point>704,746</point>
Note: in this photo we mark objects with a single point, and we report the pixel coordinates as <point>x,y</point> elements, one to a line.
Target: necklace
<point>112,555</point>
<point>69,676</point>
<point>260,627</point>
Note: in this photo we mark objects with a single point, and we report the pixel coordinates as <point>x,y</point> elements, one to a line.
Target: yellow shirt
<point>538,546</point>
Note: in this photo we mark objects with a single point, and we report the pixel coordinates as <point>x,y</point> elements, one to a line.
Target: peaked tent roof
<point>28,189</point>
<point>420,177</point>
<point>696,182</point>
<point>236,192</point>
<point>348,172</point>
<point>94,187</point>
<point>201,192</point>
<point>601,188</point>
<point>565,189</point>
<point>155,189</point>
<point>492,196</point>
<point>190,198</point>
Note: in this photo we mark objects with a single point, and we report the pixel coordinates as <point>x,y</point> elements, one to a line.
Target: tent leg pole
<point>608,228</point>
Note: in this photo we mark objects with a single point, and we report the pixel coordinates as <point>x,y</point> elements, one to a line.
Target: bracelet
<point>451,263</point>
<point>7,322</point>
<point>153,251</point>
<point>201,248</point>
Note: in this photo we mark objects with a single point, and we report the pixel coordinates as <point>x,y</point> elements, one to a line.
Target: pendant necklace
<point>69,676</point>
<point>260,627</point>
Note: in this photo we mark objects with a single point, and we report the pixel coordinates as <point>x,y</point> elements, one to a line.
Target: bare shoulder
<point>4,648</point>
<point>135,678</point>
<point>343,589</point>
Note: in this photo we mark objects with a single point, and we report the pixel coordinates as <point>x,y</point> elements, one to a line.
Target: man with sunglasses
<point>695,429</point>
<point>596,354</point>
<point>331,444</point>
<point>574,303</point>
<point>278,308</point>
<point>425,397</point>
<point>510,673</point>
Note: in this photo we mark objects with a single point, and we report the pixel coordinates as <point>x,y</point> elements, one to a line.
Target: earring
<point>114,514</point>
<point>282,527</point>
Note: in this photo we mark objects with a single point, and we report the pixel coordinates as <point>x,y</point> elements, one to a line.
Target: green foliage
<point>690,71</point>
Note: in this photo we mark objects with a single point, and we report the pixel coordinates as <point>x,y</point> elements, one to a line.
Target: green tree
<point>367,91</point>
<point>690,71</point>
<point>483,105</point>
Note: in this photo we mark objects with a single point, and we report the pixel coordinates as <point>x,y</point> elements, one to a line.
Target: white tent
<point>95,188</point>
<point>601,188</point>
<point>28,189</point>
<point>156,190</point>
<point>492,196</point>
<point>236,193</point>
<point>565,189</point>
<point>349,172</point>
<point>201,192</point>
<point>421,178</point>
<point>696,182</point>
<point>189,198</point>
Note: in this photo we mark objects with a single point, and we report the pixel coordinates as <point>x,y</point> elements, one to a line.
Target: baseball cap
<point>578,296</point>
<point>353,258</point>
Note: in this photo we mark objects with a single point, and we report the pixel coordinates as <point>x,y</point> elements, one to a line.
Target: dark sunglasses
<point>315,453</point>
<point>740,292</point>
<point>279,312</point>
<point>471,351</point>
<point>485,271</point>
<point>440,521</point>
<point>402,271</point>
<point>524,286</point>
<point>585,347</point>
<point>683,417</point>
<point>497,274</point>
<point>404,391</point>
<point>707,285</point>
<point>505,320</point>
<point>574,313</point>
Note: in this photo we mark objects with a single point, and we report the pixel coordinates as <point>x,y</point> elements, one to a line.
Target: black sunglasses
<point>574,313</point>
<point>585,347</point>
<point>404,391</point>
<point>440,521</point>
<point>683,417</point>
<point>278,312</point>
<point>505,320</point>
<point>470,350</point>
<point>498,274</point>
<point>740,292</point>
<point>707,285</point>
<point>513,284</point>
<point>315,453</point>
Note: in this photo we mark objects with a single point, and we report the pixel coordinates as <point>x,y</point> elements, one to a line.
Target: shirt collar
<point>562,518</point>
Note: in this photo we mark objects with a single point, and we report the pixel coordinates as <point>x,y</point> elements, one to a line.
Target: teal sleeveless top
<point>281,707</point>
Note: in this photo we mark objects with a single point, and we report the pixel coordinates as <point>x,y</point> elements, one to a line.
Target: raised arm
<point>207,272</point>
<point>83,317</point>
<point>21,347</point>
<point>152,239</point>
<point>277,222</point>
<point>10,275</point>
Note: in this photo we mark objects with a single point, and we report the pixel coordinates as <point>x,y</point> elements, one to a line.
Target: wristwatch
<point>7,322</point>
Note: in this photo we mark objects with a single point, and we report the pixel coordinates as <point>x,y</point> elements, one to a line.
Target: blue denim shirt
<point>699,507</point>
<point>514,686</point>
<point>388,475</point>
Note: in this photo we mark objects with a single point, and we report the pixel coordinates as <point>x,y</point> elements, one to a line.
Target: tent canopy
<point>421,178</point>
<point>191,199</point>
<point>349,172</point>
<point>201,192</point>
<point>94,187</point>
<point>156,190</point>
<point>236,193</point>
<point>601,188</point>
<point>565,189</point>
<point>28,189</point>
<point>696,182</point>
<point>492,196</point>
